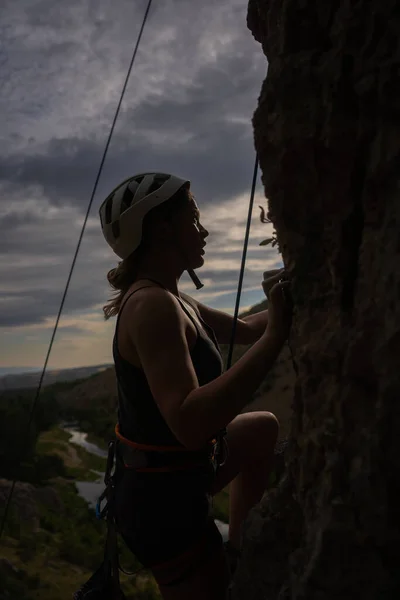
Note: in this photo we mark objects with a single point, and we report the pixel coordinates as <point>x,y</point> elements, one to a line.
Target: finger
<point>277,290</point>
<point>268,274</point>
<point>272,272</point>
<point>273,279</point>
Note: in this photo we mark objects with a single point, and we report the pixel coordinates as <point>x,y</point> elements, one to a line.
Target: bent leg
<point>251,439</point>
<point>203,576</point>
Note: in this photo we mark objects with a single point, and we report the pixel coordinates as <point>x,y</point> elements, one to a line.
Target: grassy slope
<point>78,462</point>
<point>54,561</point>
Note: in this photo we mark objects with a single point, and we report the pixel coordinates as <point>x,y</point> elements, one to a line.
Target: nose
<point>204,231</point>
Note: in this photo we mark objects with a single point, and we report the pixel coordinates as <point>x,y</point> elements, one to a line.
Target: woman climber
<point>177,409</point>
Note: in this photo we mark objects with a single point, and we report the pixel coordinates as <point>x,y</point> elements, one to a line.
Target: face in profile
<point>191,235</point>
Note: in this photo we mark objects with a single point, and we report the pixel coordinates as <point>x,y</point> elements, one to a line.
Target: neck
<point>163,276</point>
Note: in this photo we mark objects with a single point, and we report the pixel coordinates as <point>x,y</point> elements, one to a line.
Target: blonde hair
<point>124,275</point>
<point>120,279</point>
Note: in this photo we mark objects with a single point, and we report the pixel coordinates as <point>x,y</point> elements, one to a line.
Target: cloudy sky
<point>187,110</point>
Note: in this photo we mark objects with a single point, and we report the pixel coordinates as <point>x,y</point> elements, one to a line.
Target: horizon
<point>21,370</point>
<point>4,371</point>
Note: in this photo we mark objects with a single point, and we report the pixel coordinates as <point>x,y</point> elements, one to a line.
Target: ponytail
<point>120,279</point>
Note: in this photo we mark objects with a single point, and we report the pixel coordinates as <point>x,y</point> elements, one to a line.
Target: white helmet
<point>123,211</point>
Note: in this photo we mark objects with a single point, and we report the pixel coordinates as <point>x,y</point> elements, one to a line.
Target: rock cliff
<point>327,131</point>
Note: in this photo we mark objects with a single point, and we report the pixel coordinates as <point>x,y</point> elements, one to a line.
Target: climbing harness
<point>145,458</point>
<point>142,458</point>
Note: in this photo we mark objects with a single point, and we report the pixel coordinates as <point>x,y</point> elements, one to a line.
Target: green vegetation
<point>18,447</point>
<point>78,463</point>
<point>221,505</point>
<point>56,559</point>
<point>98,423</point>
<point>51,554</point>
<point>51,548</point>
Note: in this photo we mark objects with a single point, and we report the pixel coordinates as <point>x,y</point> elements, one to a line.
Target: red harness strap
<point>150,448</point>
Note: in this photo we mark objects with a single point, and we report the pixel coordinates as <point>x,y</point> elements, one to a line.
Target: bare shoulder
<point>151,307</point>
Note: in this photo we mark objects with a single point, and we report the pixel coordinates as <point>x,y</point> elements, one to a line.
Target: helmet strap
<point>195,279</point>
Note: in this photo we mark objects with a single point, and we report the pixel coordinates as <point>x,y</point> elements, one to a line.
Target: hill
<point>31,379</point>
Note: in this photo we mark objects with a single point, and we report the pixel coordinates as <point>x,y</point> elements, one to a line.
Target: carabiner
<point>100,513</point>
<point>110,462</point>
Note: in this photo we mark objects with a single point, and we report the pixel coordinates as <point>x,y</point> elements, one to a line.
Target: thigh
<point>250,437</point>
<point>159,523</point>
<point>202,576</point>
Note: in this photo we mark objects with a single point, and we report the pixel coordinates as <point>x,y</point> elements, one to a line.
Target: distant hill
<point>31,380</point>
<point>255,309</point>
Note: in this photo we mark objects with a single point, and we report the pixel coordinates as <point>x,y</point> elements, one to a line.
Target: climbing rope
<point>244,254</point>
<point>26,436</point>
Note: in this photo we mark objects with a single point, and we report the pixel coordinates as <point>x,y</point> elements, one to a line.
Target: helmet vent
<point>115,229</point>
<point>157,183</point>
<point>109,209</point>
<point>127,198</point>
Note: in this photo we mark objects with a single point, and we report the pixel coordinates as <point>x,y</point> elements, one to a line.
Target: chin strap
<point>195,279</point>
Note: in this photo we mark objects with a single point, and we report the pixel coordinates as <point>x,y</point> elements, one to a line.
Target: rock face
<point>25,501</point>
<point>327,131</point>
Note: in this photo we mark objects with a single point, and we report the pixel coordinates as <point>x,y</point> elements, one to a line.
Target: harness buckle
<point>221,450</point>
<point>110,462</point>
<point>109,482</point>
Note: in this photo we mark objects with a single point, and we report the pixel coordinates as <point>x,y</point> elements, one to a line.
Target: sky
<point>187,110</point>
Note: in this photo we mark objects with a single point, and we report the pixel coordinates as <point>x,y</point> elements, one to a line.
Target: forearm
<point>211,407</point>
<point>257,322</point>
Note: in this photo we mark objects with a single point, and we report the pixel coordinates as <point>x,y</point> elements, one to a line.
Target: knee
<point>264,433</point>
<point>268,426</point>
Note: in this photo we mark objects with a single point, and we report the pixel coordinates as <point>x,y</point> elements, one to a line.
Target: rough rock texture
<point>25,501</point>
<point>327,131</point>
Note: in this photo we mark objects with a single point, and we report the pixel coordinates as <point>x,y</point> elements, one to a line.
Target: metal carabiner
<point>100,513</point>
<point>110,462</point>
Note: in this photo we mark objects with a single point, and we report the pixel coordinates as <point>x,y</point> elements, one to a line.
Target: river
<point>91,490</point>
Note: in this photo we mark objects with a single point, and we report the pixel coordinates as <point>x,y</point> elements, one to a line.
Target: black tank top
<point>139,418</point>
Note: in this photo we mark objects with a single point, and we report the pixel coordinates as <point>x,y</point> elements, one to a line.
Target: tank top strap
<point>188,313</point>
<point>206,326</point>
<point>126,300</point>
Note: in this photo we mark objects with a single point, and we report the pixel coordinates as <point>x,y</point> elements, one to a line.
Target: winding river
<point>91,490</point>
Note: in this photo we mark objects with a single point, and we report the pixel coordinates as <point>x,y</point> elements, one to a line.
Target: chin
<point>200,262</point>
<point>196,264</point>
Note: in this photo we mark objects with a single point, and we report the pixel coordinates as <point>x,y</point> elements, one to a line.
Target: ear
<point>163,231</point>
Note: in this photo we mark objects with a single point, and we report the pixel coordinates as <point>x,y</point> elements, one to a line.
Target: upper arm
<point>157,330</point>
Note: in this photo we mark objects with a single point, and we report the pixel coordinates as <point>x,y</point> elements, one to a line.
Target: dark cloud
<point>217,155</point>
<point>187,110</point>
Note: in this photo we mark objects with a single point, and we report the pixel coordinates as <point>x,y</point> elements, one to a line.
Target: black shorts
<point>166,522</point>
